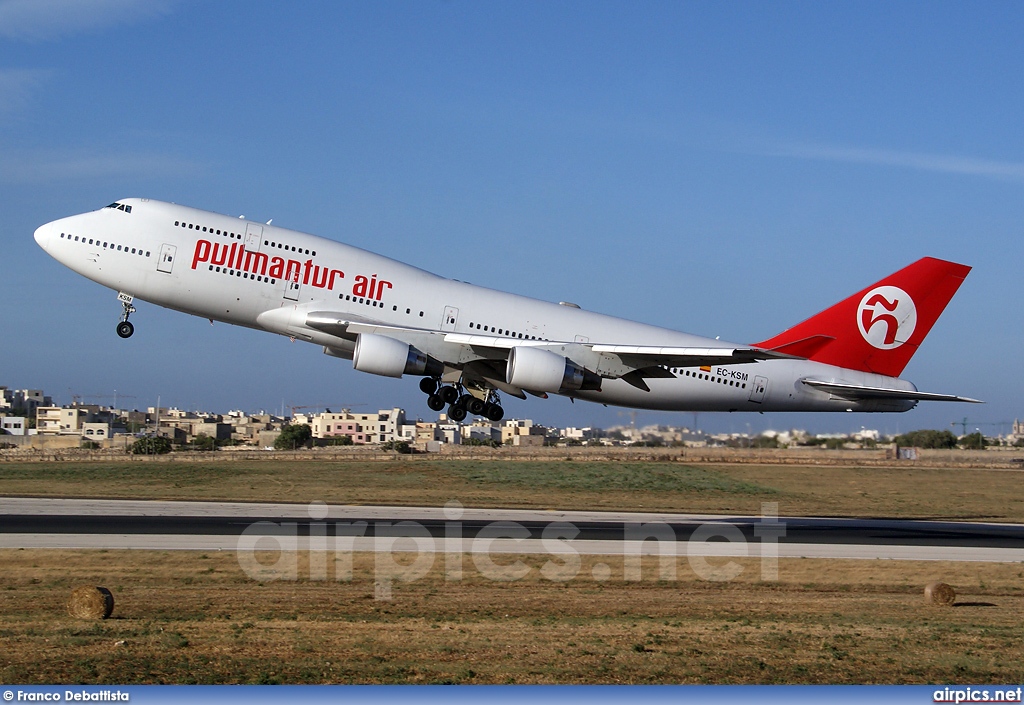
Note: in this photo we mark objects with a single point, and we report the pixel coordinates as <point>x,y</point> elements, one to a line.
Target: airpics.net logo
<point>886,317</point>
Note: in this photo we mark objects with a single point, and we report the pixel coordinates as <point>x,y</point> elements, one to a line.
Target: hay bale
<point>939,594</point>
<point>88,602</point>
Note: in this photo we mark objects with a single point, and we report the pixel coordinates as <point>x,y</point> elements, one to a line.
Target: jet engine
<point>381,355</point>
<point>544,371</point>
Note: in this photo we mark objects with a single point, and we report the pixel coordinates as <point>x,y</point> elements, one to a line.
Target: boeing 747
<point>468,343</point>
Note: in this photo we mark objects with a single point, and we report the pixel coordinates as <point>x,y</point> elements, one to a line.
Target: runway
<point>135,524</point>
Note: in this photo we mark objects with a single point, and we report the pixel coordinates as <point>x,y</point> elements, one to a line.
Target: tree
<point>927,439</point>
<point>973,441</point>
<point>151,445</point>
<point>339,441</point>
<point>402,447</point>
<point>490,442</point>
<point>204,442</point>
<point>294,436</point>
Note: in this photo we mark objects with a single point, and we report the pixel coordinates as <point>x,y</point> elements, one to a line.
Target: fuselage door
<point>253,237</point>
<point>758,389</point>
<point>291,286</point>
<point>166,261</point>
<point>451,317</point>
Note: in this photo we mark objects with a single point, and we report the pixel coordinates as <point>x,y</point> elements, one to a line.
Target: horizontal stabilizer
<point>855,392</point>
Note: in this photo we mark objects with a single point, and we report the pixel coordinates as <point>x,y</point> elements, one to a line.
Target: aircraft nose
<point>43,235</point>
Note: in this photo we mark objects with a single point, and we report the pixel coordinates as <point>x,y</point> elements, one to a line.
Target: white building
<point>386,425</point>
<point>14,425</point>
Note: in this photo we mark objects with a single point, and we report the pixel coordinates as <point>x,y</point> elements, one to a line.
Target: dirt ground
<point>187,617</point>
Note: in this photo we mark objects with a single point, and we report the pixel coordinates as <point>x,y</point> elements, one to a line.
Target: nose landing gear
<point>124,328</point>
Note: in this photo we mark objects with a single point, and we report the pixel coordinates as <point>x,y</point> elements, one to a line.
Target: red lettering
<point>202,253</point>
<point>305,277</point>
<point>220,253</point>
<point>276,268</point>
<point>341,275</point>
<point>231,257</point>
<point>360,286</point>
<point>296,267</point>
<point>380,288</point>
<point>372,293</point>
<point>318,281</point>
<point>256,262</point>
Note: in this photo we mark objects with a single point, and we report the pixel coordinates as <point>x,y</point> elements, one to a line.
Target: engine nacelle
<point>381,355</point>
<point>544,371</point>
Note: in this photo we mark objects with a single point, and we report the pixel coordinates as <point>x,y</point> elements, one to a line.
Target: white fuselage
<point>268,278</point>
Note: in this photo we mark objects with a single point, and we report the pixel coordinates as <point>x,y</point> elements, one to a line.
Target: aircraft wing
<point>633,363</point>
<point>855,392</point>
<point>641,356</point>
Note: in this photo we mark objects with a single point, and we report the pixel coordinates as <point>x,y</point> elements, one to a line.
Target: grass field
<point>954,493</point>
<point>183,617</point>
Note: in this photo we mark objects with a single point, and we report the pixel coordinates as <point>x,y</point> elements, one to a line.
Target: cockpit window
<point>120,207</point>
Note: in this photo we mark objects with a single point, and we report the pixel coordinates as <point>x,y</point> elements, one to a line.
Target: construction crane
<point>977,424</point>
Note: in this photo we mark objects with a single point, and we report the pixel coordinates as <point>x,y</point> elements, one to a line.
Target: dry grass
<point>954,493</point>
<point>184,617</point>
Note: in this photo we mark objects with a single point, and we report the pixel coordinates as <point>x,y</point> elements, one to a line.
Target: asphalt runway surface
<point>77,523</point>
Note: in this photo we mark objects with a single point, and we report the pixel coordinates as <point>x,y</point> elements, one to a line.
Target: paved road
<point>32,522</point>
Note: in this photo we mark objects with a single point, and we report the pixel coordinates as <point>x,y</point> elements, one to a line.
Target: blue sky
<point>726,169</point>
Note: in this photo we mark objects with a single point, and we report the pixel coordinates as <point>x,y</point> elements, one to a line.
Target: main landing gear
<point>459,404</point>
<point>124,328</point>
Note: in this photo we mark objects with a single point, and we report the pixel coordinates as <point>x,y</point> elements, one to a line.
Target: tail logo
<point>886,317</point>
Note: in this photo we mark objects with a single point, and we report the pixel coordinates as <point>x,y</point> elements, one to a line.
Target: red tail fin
<point>880,328</point>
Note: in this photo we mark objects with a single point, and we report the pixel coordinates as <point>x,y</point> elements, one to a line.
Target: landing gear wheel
<point>435,403</point>
<point>428,385</point>
<point>124,328</point>
<point>476,406</point>
<point>450,395</point>
<point>456,413</point>
<point>493,412</point>
<point>464,401</point>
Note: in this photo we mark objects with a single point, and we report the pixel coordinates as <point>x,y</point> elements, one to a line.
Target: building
<point>23,401</point>
<point>522,432</point>
<point>61,421</point>
<point>14,425</point>
<point>386,425</point>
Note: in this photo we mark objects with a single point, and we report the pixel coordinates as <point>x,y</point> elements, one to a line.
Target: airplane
<point>469,344</point>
